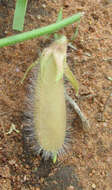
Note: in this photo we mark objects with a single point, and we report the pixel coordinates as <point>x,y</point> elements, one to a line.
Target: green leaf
<point>68,73</point>
<point>54,54</point>
<point>27,71</point>
<point>60,17</point>
<point>54,158</point>
<point>19,15</point>
<point>109,78</point>
<point>60,56</point>
<point>76,32</point>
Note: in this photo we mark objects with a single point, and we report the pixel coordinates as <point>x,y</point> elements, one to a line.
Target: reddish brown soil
<point>88,166</point>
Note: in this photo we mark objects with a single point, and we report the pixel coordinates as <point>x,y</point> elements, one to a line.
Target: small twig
<point>83,97</point>
<point>73,47</point>
<point>98,39</point>
<point>85,122</point>
<point>12,128</point>
<point>3,128</point>
<point>76,49</point>
<point>105,105</point>
<point>107,59</point>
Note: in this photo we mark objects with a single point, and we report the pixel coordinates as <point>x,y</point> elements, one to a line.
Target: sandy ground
<point>88,165</point>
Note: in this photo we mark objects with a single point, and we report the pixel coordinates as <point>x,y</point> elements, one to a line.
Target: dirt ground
<point>88,165</point>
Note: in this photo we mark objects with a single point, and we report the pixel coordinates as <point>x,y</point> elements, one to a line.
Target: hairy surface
<point>45,129</point>
<point>49,106</point>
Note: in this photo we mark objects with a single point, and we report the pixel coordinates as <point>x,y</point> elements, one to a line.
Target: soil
<point>88,165</point>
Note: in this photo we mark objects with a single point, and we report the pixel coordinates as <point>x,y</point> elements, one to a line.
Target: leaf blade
<point>19,14</point>
<point>68,73</point>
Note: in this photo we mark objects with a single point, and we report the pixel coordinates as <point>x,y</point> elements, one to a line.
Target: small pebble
<point>105,124</point>
<point>39,17</point>
<point>43,5</point>
<point>93,186</point>
<point>17,70</point>
<point>70,187</point>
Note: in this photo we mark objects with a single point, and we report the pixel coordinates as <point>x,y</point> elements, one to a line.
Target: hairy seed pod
<point>45,121</point>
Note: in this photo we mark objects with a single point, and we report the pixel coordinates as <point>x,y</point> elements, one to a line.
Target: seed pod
<point>46,116</point>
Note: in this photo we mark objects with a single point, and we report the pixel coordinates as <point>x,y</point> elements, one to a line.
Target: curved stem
<point>39,32</point>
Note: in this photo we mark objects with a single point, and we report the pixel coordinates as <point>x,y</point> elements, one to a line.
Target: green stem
<point>39,32</point>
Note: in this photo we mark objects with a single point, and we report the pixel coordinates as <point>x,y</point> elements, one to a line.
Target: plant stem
<point>85,122</point>
<point>39,32</point>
